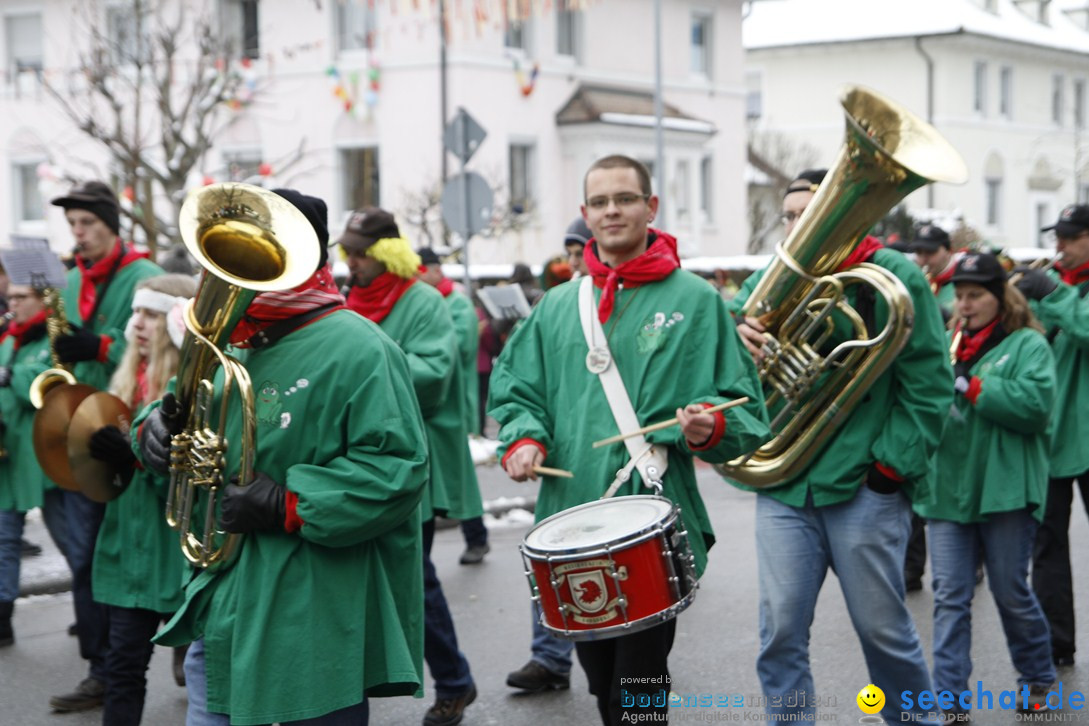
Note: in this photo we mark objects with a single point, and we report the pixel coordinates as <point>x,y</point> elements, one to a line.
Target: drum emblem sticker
<point>588,590</point>
<point>587,582</point>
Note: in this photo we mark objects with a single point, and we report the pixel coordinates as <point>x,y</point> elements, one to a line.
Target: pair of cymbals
<point>69,416</point>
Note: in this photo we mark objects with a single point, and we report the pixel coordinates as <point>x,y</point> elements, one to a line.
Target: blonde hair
<point>162,358</point>
<point>1013,311</point>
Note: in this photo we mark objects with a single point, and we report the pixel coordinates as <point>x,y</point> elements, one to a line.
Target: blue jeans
<point>553,652</point>
<point>11,534</point>
<point>198,715</point>
<point>448,666</point>
<point>474,532</point>
<point>84,518</point>
<point>863,541</point>
<point>1006,541</point>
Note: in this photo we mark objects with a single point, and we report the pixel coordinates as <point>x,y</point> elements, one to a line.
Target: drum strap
<point>649,460</point>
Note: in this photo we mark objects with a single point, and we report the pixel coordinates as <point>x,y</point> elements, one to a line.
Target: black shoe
<point>73,630</point>
<point>1064,661</point>
<point>7,635</point>
<point>449,711</point>
<point>474,555</point>
<point>28,549</point>
<point>534,677</point>
<point>88,694</point>
<point>1037,699</point>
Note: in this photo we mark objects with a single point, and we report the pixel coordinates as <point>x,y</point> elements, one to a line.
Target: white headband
<point>160,302</point>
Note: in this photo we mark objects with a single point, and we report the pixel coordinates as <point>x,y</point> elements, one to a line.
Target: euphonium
<point>888,153</point>
<point>248,240</point>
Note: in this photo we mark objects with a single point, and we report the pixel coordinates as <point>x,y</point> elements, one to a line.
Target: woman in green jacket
<point>991,480</point>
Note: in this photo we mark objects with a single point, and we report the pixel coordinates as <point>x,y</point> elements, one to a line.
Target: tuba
<point>810,391</point>
<point>248,240</point>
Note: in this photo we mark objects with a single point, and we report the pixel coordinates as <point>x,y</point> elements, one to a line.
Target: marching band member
<point>98,303</point>
<point>850,508</point>
<point>934,253</point>
<point>671,338</point>
<point>323,606</point>
<point>383,268</point>
<point>991,480</point>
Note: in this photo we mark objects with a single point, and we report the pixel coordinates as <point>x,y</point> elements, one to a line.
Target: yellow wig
<point>397,255</point>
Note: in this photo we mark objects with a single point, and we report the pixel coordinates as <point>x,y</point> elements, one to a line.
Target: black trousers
<point>630,674</point>
<point>915,557</point>
<point>1051,578</point>
<point>127,658</point>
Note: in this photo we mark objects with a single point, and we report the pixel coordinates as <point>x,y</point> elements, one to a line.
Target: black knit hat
<point>578,233</point>
<point>808,181</point>
<point>98,199</point>
<point>315,212</point>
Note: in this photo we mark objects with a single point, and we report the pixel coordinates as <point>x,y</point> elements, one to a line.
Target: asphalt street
<point>714,653</point>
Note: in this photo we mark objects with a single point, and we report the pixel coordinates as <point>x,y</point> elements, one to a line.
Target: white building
<point>591,96</point>
<point>1005,81</point>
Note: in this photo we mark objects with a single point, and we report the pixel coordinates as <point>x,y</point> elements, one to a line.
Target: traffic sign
<point>463,135</point>
<point>467,204</point>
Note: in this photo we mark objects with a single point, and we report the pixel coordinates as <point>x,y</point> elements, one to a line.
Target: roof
<point>775,23</point>
<point>626,107</point>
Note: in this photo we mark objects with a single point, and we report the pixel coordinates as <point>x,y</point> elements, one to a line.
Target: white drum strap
<point>651,461</point>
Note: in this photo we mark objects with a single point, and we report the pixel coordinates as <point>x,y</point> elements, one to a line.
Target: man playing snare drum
<point>669,336</point>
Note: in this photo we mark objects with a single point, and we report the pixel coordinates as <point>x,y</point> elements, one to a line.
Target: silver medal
<point>598,360</point>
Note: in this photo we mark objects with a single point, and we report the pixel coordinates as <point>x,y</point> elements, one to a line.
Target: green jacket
<point>993,454</point>
<point>1067,311</point>
<point>899,422</point>
<point>421,325</point>
<point>22,481</point>
<point>113,313</point>
<point>468,332</point>
<point>947,298</point>
<point>674,344</point>
<point>307,623</point>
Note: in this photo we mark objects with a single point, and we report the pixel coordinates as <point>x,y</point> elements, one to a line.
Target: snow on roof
<point>773,23</point>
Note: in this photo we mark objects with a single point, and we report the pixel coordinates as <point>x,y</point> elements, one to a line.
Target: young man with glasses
<point>1059,300</point>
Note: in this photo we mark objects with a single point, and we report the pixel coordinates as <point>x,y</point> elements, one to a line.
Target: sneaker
<point>534,677</point>
<point>474,555</point>
<point>1037,699</point>
<point>449,711</point>
<point>88,694</point>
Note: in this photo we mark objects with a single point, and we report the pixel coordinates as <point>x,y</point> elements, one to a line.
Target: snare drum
<point>610,567</point>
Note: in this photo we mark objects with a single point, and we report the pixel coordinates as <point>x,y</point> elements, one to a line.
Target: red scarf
<point>98,272</point>
<point>376,300</point>
<point>970,343</point>
<point>269,308</point>
<point>445,286</point>
<point>656,263</point>
<point>140,394</point>
<point>1073,277</point>
<point>945,276</point>
<point>19,331</point>
<point>862,253</point>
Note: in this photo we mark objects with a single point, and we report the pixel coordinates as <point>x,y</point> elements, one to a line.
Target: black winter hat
<point>983,269</point>
<point>807,181</point>
<point>98,199</point>
<point>316,213</point>
<point>428,256</point>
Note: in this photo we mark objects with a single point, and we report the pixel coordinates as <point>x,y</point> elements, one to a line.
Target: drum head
<point>598,523</point>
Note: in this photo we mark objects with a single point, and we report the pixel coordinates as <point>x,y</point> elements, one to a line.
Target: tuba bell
<point>248,240</point>
<point>809,390</point>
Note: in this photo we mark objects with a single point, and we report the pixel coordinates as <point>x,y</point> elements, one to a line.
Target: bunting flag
<point>526,86</point>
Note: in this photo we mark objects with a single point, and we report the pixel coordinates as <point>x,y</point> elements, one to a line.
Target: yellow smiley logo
<point>871,699</point>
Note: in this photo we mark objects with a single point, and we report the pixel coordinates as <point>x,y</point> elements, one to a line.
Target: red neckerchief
<point>862,253</point>
<point>970,343</point>
<point>944,277</point>
<point>140,394</point>
<point>376,300</point>
<point>269,308</point>
<point>1073,277</point>
<point>98,272</point>
<point>19,331</point>
<point>656,263</point>
<point>445,286</point>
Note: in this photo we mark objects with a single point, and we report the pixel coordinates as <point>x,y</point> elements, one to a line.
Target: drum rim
<point>640,534</point>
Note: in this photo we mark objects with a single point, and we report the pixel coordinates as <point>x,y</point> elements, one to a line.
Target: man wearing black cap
<point>934,253</point>
<point>383,274</point>
<point>575,239</point>
<point>98,303</point>
<point>1059,300</point>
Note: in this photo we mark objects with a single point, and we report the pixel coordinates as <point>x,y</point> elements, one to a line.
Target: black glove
<point>259,505</point>
<point>79,345</point>
<point>5,376</point>
<point>159,427</point>
<point>1034,284</point>
<point>880,482</point>
<point>108,444</point>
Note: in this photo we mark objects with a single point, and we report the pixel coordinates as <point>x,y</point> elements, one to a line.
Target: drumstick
<point>549,471</point>
<point>667,424</point>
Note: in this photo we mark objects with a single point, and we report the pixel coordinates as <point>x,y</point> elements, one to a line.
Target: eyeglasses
<point>788,217</point>
<point>21,296</point>
<point>620,200</point>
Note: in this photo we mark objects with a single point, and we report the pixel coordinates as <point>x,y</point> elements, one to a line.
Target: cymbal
<point>98,480</point>
<point>51,431</point>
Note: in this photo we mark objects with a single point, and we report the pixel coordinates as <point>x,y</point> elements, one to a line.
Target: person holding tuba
<point>669,336</point>
<point>849,509</point>
<point>323,605</point>
<point>98,301</point>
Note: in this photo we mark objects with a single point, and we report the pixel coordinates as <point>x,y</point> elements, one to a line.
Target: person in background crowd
<point>934,253</point>
<point>575,239</point>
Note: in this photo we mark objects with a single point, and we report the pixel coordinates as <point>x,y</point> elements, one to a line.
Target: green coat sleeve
<point>23,373</point>
<point>738,301</point>
<point>431,347</point>
<point>518,380</point>
<point>1065,309</point>
<point>1021,399</point>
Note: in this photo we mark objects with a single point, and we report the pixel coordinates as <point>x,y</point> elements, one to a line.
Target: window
<point>28,199</point>
<point>242,165</point>
<point>994,202</point>
<point>1044,218</point>
<point>127,44</point>
<point>359,180</point>
<point>23,34</point>
<point>707,187</point>
<point>238,21</point>
<point>682,192</point>
<point>522,173</point>
<point>517,33</point>
<point>1005,90</point>
<point>568,30</point>
<point>1079,103</point>
<point>356,25</point>
<point>701,45</point>
<point>1057,109</point>
<point>979,104</point>
<point>754,95</point>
